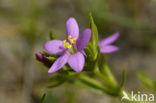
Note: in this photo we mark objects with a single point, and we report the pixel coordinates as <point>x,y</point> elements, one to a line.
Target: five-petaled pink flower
<point>70,50</point>
<point>105,44</point>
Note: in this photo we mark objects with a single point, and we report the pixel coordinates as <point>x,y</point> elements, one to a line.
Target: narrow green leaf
<point>72,73</point>
<point>146,80</point>
<point>106,74</point>
<point>124,75</point>
<point>55,84</point>
<point>50,98</point>
<point>92,47</point>
<point>52,36</point>
<point>43,97</point>
<point>54,78</point>
<point>51,58</point>
<point>94,37</point>
<point>89,52</point>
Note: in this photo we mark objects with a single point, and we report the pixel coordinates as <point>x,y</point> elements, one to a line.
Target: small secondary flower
<point>105,44</point>
<point>70,50</point>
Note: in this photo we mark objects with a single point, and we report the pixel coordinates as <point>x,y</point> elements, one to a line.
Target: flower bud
<point>42,58</point>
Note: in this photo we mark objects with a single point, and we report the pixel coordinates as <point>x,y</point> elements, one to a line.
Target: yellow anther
<point>72,41</point>
<point>74,38</point>
<point>66,44</point>
<point>69,37</point>
<point>69,46</point>
<point>64,41</point>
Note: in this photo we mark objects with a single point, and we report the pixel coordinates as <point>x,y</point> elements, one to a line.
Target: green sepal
<point>50,58</point>
<point>50,55</point>
<point>52,36</point>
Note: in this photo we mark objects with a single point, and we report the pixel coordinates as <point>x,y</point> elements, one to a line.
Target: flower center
<point>70,44</point>
<point>72,40</point>
<point>67,44</point>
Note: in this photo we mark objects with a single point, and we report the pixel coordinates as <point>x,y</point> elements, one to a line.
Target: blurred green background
<point>25,26</point>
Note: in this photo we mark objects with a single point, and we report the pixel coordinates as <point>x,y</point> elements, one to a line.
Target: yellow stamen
<point>69,37</point>
<point>72,41</point>
<point>64,41</point>
<point>66,44</point>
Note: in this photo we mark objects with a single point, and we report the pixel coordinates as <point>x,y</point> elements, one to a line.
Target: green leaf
<point>50,98</point>
<point>146,80</point>
<point>105,73</point>
<point>94,37</point>
<point>72,73</point>
<point>56,84</point>
<point>57,80</point>
<point>43,97</point>
<point>92,47</point>
<point>52,36</point>
<point>50,58</point>
<point>124,75</point>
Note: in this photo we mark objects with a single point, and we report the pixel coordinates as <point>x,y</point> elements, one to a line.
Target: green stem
<point>102,70</point>
<point>93,83</point>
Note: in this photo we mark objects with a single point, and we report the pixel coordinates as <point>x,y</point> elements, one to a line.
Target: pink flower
<point>71,49</point>
<point>105,44</point>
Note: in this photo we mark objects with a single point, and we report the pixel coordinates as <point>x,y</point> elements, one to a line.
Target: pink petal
<point>109,49</point>
<point>59,63</point>
<point>76,61</point>
<point>72,28</point>
<point>109,39</point>
<point>83,52</point>
<point>83,39</point>
<point>54,47</point>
